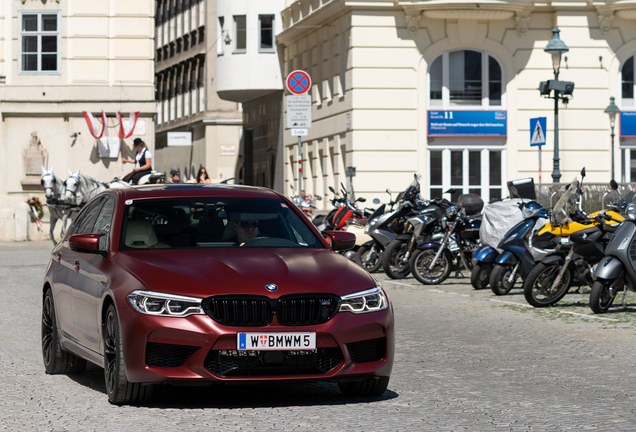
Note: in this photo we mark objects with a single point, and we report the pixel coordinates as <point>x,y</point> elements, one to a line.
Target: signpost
<point>537,136</point>
<point>298,83</point>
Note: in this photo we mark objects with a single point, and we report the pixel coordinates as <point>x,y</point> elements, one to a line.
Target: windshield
<point>213,222</point>
<point>560,212</point>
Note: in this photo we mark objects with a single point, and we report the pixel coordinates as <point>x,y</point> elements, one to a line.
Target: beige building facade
<point>59,58</point>
<point>188,36</point>
<point>398,85</point>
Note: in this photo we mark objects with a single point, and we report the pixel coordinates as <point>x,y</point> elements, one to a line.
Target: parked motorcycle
<point>432,262</point>
<point>517,259</point>
<point>369,254</point>
<point>583,241</point>
<point>615,272</point>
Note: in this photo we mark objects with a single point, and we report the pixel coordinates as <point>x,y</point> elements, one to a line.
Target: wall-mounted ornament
<point>605,23</point>
<point>412,22</point>
<point>521,24</point>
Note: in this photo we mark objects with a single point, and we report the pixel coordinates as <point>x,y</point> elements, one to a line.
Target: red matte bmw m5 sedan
<point>211,283</point>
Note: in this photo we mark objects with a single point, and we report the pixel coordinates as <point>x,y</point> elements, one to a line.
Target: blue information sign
<point>537,131</point>
<point>467,123</point>
<point>628,124</point>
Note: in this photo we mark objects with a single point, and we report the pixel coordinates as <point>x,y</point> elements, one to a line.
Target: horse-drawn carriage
<point>65,198</point>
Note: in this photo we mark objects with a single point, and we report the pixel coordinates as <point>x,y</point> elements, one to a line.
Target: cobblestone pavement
<point>466,361</point>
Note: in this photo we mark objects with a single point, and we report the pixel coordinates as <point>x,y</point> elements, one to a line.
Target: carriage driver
<point>142,160</point>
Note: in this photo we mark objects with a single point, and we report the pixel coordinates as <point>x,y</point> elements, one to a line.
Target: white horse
<point>81,189</point>
<point>55,196</point>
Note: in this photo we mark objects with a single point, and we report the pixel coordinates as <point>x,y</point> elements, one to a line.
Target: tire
<point>368,387</point>
<point>600,298</point>
<point>119,390</point>
<point>537,285</point>
<point>420,261</point>
<point>480,275</point>
<point>499,280</point>
<point>374,262</point>
<point>392,260</point>
<point>56,360</point>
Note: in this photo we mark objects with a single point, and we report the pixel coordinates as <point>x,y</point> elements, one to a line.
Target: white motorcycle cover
<point>538,253</point>
<point>498,218</point>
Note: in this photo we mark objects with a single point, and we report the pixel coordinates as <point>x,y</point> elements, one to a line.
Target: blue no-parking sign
<point>537,131</point>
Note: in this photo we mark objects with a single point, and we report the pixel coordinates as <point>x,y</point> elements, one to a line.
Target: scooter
<point>516,259</point>
<point>616,272</point>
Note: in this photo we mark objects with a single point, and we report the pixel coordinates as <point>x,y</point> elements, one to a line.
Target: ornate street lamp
<point>556,47</point>
<point>612,110</point>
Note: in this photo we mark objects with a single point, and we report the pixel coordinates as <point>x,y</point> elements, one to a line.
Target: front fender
<point>486,254</point>
<point>553,259</point>
<point>507,258</point>
<point>609,268</point>
<point>430,245</point>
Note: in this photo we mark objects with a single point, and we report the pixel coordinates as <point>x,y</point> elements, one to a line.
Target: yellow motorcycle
<point>583,238</point>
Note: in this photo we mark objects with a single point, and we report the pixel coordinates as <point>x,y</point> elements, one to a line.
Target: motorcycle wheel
<point>392,260</point>
<point>537,288</point>
<point>366,260</point>
<point>480,275</point>
<point>601,298</point>
<point>421,259</point>
<point>499,280</point>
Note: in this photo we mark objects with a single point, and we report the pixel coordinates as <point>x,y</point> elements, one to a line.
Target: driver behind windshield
<point>245,231</point>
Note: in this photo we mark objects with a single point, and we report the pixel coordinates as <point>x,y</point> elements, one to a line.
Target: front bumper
<point>198,349</point>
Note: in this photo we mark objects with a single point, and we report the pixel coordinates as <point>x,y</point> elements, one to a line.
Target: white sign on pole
<point>176,139</point>
<point>298,112</point>
<point>300,132</point>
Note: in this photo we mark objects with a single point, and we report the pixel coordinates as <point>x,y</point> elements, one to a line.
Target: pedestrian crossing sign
<point>537,131</point>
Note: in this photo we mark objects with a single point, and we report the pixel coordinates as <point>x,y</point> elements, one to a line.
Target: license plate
<point>254,341</point>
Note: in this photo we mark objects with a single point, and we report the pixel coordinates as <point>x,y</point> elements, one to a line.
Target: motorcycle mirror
<point>361,199</point>
<point>318,197</point>
<point>582,173</point>
<point>613,184</point>
<point>451,191</point>
<point>376,201</point>
<point>388,191</point>
<point>332,190</point>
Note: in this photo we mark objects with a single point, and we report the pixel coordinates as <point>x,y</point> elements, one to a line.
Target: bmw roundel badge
<point>271,287</point>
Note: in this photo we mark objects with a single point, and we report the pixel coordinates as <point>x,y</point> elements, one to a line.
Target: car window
<point>214,222</point>
<point>104,221</point>
<point>86,219</point>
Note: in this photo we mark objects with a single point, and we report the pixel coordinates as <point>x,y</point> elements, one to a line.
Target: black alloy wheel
<point>537,289</point>
<point>393,259</point>
<point>480,275</point>
<point>120,391</point>
<point>420,262</point>
<point>601,297</point>
<point>370,260</point>
<point>368,387</point>
<point>499,283</point>
<point>56,360</point>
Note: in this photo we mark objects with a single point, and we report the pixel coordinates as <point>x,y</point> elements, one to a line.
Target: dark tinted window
<point>212,222</point>
<point>85,222</point>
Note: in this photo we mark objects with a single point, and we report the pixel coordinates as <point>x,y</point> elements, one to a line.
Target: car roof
<point>192,190</point>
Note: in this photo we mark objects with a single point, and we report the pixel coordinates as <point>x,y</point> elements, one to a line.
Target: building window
<point>240,35</point>
<point>467,170</point>
<point>39,42</point>
<point>220,41</point>
<point>266,32</point>
<point>465,78</point>
<point>627,83</point>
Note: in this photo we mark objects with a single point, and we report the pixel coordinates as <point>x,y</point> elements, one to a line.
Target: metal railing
<point>596,196</point>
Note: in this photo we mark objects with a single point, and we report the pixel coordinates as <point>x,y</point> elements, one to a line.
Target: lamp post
<point>556,47</point>
<point>612,110</point>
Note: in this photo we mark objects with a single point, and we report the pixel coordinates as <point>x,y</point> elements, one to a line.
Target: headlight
<point>630,211</point>
<point>451,211</point>
<point>371,300</point>
<point>163,304</point>
<point>528,212</point>
<point>444,222</point>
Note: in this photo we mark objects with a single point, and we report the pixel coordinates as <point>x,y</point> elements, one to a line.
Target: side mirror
<point>318,197</point>
<point>613,184</point>
<point>361,199</point>
<point>388,191</point>
<point>88,243</point>
<point>582,173</point>
<point>332,190</point>
<point>340,240</point>
<point>376,201</point>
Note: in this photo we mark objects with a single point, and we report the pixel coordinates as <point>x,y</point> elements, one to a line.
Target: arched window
<point>465,78</point>
<point>627,83</point>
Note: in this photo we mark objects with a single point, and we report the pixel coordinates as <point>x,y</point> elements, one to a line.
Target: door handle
<point>76,266</point>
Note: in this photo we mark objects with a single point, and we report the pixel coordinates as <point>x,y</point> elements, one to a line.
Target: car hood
<point>205,272</point>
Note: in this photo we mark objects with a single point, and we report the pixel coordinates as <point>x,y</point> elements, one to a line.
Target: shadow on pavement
<point>260,395</point>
